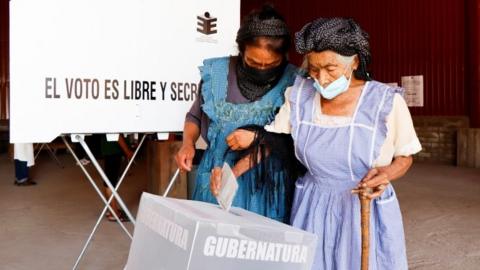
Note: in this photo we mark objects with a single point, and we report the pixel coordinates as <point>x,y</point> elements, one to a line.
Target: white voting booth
<point>110,66</point>
<point>173,234</point>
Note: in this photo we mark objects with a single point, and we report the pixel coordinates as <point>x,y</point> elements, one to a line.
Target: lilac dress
<point>337,158</point>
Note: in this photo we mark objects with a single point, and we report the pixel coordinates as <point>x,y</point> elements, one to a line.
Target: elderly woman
<point>350,132</point>
<point>242,92</point>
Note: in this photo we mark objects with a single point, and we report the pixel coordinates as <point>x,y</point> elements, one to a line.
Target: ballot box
<point>175,234</point>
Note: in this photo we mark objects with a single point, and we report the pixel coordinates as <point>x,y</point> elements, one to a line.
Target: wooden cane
<point>365,223</point>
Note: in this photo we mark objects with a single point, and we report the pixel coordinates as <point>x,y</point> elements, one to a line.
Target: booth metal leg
<point>50,152</point>
<point>108,203</point>
<point>38,151</point>
<point>53,155</point>
<point>105,178</point>
<point>172,181</point>
<point>113,189</point>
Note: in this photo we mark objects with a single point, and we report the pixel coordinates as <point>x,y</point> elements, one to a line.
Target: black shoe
<point>26,183</point>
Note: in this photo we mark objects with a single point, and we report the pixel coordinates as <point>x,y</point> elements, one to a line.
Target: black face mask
<point>254,83</point>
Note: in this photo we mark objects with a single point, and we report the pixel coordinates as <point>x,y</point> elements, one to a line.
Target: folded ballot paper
<point>228,188</point>
<point>173,234</point>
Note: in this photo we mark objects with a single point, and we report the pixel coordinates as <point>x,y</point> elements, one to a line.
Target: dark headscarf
<point>343,36</point>
<point>264,23</point>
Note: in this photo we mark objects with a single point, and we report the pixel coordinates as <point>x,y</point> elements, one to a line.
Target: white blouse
<point>401,137</point>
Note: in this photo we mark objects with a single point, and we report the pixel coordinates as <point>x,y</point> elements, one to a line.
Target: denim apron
<point>224,118</point>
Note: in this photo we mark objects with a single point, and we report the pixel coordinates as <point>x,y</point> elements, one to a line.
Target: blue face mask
<point>335,88</point>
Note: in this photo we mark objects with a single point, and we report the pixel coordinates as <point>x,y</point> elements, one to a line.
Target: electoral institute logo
<point>207,26</point>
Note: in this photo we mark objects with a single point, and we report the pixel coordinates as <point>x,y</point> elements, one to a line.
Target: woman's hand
<point>376,180</point>
<point>379,178</point>
<point>216,181</point>
<point>240,139</point>
<point>240,167</point>
<point>184,157</point>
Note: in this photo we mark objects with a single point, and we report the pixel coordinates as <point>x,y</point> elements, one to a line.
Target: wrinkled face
<point>327,66</point>
<point>260,56</point>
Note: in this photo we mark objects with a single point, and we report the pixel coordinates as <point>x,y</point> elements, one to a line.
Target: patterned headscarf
<point>256,26</point>
<point>343,36</point>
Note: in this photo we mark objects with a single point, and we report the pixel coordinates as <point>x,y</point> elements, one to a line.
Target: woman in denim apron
<point>241,92</point>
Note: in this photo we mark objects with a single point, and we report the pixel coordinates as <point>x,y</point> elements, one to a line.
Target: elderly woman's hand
<point>376,180</point>
<point>240,139</point>
<point>379,178</point>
